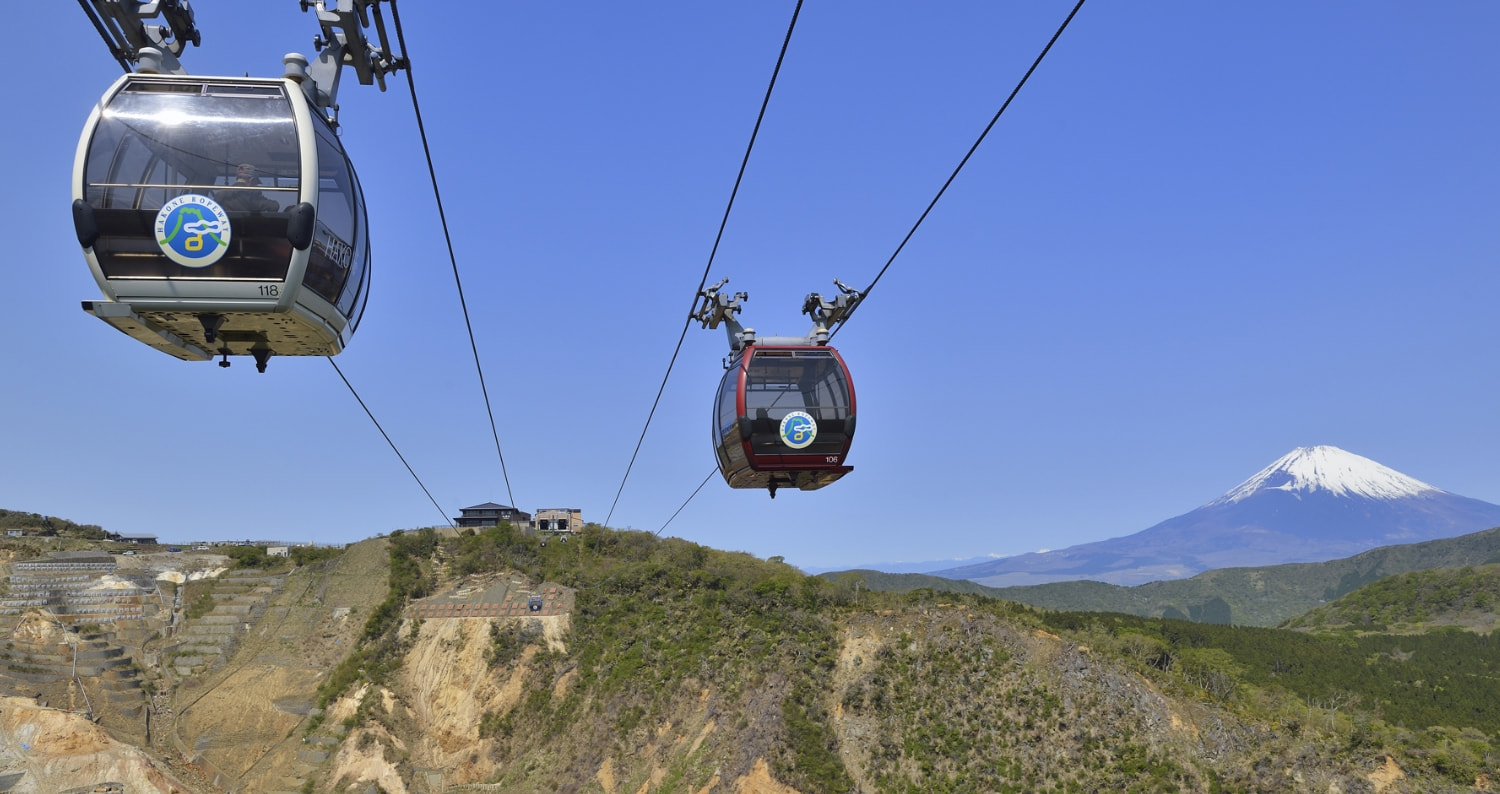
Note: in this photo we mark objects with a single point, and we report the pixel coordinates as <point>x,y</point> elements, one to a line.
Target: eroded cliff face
<point>449,686</point>
<point>38,628</point>
<point>429,723</point>
<point>444,690</point>
<point>58,751</point>
<point>916,695</point>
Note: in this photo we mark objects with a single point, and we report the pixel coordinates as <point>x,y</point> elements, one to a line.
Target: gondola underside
<point>801,479</point>
<point>180,334</point>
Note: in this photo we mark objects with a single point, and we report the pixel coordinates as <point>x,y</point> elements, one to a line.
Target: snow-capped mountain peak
<point>1329,469</point>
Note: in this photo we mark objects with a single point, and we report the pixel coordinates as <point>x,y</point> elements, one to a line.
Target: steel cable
<point>388,440</point>
<point>930,205</point>
<point>448,239</point>
<point>708,267</point>
<point>1034,64</point>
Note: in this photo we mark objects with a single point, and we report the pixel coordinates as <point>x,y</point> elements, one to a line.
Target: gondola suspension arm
<point>343,43</point>
<point>716,308</point>
<point>122,25</point>
<point>829,314</point>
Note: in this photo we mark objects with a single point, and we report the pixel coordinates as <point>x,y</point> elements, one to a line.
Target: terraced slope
<point>239,718</point>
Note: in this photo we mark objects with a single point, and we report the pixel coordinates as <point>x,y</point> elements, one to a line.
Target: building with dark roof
<point>490,514</point>
<point>144,540</point>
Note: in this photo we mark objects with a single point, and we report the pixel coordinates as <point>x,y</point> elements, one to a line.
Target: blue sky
<point>1203,235</point>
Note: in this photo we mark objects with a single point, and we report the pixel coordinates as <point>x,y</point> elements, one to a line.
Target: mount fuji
<point>1312,505</point>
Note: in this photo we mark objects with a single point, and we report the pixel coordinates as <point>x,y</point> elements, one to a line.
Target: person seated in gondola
<point>241,195</point>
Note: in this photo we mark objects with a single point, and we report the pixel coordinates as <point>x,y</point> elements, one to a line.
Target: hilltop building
<point>490,514</point>
<point>559,519</point>
<point>141,540</point>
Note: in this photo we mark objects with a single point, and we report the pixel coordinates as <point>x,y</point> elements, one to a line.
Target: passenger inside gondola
<point>242,195</point>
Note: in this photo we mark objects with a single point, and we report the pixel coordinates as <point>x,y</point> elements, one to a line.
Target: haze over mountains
<point>1314,504</point>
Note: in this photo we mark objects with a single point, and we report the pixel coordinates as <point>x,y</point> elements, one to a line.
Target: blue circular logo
<point>798,430</point>
<point>193,230</point>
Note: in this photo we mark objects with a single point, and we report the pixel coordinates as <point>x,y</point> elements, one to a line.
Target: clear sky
<point>1203,235</point>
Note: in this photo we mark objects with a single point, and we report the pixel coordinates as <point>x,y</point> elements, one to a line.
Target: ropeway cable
<point>388,440</point>
<point>452,257</point>
<point>711,473</point>
<point>915,226</point>
<point>706,268</point>
<point>961,163</point>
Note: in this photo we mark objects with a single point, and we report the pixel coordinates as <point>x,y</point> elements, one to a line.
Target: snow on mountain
<point>1312,505</point>
<point>1329,469</point>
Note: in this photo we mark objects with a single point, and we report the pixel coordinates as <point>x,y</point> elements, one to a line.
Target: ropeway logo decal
<point>193,230</point>
<point>798,430</point>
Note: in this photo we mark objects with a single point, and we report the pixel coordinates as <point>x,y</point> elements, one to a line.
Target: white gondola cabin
<point>221,217</point>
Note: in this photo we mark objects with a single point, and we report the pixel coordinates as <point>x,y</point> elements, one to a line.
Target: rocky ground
<point>57,751</point>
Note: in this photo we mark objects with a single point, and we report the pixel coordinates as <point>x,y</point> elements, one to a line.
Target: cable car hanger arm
<point>122,25</point>
<point>716,308</point>
<point>829,314</point>
<point>343,43</point>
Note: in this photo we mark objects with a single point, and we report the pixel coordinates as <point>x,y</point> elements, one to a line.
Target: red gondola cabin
<point>784,417</point>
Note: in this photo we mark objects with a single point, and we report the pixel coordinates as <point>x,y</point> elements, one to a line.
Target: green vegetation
<point>945,692</point>
<point>200,606</point>
<point>509,640</point>
<point>381,647</point>
<point>1445,678</point>
<point>1261,596</point>
<point>307,555</point>
<point>1413,601</point>
<point>49,525</point>
<point>256,556</point>
<point>1432,701</point>
<point>19,550</point>
<point>248,556</point>
<point>496,548</point>
<point>657,622</point>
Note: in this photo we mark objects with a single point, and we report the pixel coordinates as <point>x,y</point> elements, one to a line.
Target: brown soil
<point>60,751</point>
<point>244,719</point>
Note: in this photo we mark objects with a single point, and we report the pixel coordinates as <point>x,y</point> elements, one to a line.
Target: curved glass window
<point>779,382</point>
<point>160,139</point>
<point>727,411</point>
<point>339,254</point>
<point>357,287</point>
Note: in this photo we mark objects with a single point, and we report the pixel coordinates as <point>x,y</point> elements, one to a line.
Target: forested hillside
<point>690,669</point>
<point>38,524</point>
<point>1465,597</point>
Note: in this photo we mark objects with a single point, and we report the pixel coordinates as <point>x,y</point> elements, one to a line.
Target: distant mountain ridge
<point>900,567</point>
<point>1314,504</point>
<point>1255,596</point>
